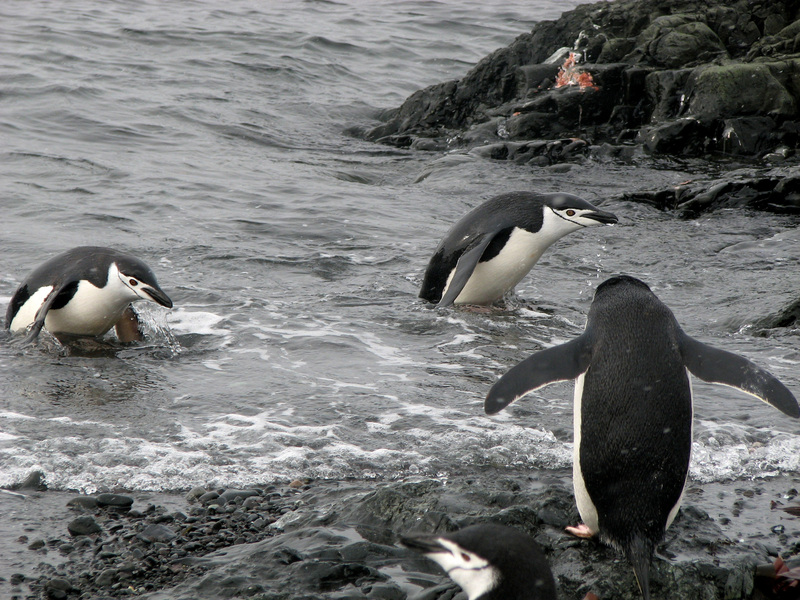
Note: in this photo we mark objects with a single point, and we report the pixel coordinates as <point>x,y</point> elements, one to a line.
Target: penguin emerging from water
<point>490,562</point>
<point>494,246</point>
<point>85,291</point>
<point>633,412</point>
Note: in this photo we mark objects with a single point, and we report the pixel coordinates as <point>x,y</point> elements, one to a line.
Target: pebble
<point>106,577</point>
<point>59,584</point>
<point>232,495</point>
<point>157,533</point>
<point>83,502</point>
<point>208,497</point>
<point>252,502</point>
<point>115,500</point>
<point>83,526</point>
<point>58,588</point>
<point>195,493</point>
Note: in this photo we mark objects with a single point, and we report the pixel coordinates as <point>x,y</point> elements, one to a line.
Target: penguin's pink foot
<point>581,531</point>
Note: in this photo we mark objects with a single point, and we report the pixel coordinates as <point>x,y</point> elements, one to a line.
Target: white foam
<point>14,415</point>
<point>404,437</point>
<point>199,322</point>
<point>316,328</point>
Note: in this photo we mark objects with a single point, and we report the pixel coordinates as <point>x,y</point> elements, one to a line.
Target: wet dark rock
<point>333,540</point>
<point>208,497</point>
<point>83,526</point>
<point>34,481</point>
<point>106,578</point>
<point>232,495</point>
<point>195,493</point>
<point>83,502</point>
<point>775,190</point>
<point>682,77</point>
<point>384,591</point>
<point>58,589</point>
<point>115,501</point>
<point>157,533</point>
<point>687,136</point>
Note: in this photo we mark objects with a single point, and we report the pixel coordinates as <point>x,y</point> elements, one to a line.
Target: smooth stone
<point>208,497</point>
<point>83,526</point>
<point>106,577</point>
<point>115,500</point>
<point>84,502</point>
<point>157,533</point>
<point>232,495</point>
<point>252,502</point>
<point>195,493</point>
<point>59,583</point>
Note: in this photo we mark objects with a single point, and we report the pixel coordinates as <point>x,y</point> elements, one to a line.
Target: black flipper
<point>559,363</point>
<point>718,366</point>
<point>41,314</point>
<point>465,266</point>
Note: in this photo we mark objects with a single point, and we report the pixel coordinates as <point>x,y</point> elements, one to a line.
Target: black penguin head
<point>139,279</point>
<point>473,572</point>
<point>489,560</point>
<point>577,210</point>
<point>619,282</point>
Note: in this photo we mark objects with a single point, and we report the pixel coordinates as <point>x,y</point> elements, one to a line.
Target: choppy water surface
<point>208,139</point>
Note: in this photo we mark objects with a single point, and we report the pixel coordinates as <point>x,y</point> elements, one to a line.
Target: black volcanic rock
<point>680,76</point>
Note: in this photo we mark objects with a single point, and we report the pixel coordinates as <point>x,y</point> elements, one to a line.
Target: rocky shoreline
<point>633,78</point>
<point>654,77</point>
<point>339,539</point>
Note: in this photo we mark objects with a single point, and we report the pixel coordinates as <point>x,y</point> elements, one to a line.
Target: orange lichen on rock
<point>570,74</point>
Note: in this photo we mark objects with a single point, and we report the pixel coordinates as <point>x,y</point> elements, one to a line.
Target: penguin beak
<point>423,544</point>
<point>602,216</point>
<point>158,296</point>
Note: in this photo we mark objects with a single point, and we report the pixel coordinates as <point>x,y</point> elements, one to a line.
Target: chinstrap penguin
<point>633,412</point>
<point>490,562</point>
<point>85,291</point>
<point>493,247</point>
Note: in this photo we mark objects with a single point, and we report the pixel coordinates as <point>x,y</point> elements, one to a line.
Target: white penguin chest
<point>91,311</point>
<point>493,278</point>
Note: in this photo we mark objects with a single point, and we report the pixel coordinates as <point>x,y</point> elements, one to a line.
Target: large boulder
<point>676,75</point>
<point>731,90</point>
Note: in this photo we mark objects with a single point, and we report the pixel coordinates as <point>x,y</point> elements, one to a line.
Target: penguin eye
<point>570,213</point>
<point>133,282</point>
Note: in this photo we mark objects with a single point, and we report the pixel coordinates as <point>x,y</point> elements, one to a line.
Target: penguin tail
<point>640,553</point>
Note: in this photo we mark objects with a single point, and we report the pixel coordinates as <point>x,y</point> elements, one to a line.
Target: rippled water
<point>209,139</point>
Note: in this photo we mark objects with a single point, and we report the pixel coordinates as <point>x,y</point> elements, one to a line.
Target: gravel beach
<point>338,539</point>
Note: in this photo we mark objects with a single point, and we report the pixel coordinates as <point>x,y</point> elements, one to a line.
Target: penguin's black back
<point>636,413</point>
<point>501,213</point>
